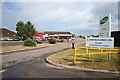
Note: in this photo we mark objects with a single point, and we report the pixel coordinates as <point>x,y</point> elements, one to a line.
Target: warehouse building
<point>57,35</point>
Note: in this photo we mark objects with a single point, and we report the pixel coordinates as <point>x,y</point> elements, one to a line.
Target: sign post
<point>105,26</point>
<point>89,52</point>
<point>109,56</point>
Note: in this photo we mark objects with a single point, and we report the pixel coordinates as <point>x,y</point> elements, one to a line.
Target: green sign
<point>104,20</point>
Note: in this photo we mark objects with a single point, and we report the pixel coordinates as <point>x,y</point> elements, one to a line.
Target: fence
<point>88,51</point>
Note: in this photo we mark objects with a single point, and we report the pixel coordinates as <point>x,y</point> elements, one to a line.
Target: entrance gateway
<point>104,43</point>
<point>105,40</point>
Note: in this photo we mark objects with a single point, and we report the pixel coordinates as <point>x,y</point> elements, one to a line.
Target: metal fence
<point>93,50</point>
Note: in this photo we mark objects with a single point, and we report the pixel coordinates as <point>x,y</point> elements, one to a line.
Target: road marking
<point>3,71</point>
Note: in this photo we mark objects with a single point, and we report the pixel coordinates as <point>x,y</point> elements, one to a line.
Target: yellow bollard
<point>86,50</point>
<point>74,55</point>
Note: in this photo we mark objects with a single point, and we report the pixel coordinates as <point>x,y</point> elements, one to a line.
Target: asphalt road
<point>33,65</point>
<point>10,59</point>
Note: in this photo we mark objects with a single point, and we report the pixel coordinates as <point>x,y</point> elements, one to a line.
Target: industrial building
<point>55,34</point>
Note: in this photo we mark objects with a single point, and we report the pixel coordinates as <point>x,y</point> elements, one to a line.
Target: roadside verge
<point>12,49</point>
<point>78,68</point>
<point>63,64</point>
<point>21,50</point>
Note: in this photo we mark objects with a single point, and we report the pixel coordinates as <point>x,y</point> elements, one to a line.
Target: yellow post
<point>101,50</point>
<point>86,50</point>
<point>74,55</point>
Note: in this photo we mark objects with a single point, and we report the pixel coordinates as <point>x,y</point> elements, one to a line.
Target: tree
<point>80,36</point>
<point>73,35</point>
<point>30,29</point>
<point>20,30</point>
<point>25,30</point>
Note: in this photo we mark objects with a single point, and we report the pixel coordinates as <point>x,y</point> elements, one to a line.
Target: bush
<point>52,41</point>
<point>29,42</point>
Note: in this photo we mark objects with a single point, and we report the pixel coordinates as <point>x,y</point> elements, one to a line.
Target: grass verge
<point>96,61</point>
<point>21,47</point>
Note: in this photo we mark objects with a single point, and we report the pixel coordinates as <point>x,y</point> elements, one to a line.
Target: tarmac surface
<point>32,64</point>
<point>39,68</point>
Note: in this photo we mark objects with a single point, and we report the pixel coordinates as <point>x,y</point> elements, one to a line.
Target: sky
<point>75,16</point>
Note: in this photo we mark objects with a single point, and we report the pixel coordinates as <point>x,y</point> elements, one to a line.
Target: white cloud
<point>114,25</point>
<point>79,18</point>
<point>60,13</point>
<point>66,16</point>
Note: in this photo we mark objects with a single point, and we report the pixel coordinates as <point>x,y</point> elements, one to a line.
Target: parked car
<point>1,39</point>
<point>39,41</point>
<point>16,39</point>
<point>44,39</point>
<point>7,39</point>
<point>10,39</point>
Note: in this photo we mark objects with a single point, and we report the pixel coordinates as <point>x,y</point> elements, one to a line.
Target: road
<point>33,65</point>
<point>31,54</point>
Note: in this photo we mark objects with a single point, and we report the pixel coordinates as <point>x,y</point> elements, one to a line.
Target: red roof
<point>39,34</point>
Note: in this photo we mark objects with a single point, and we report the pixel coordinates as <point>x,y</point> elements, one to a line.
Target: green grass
<point>96,61</point>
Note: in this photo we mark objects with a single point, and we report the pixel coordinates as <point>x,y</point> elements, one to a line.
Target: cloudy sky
<point>77,17</point>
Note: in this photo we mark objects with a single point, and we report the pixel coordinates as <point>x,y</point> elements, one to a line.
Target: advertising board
<point>100,42</point>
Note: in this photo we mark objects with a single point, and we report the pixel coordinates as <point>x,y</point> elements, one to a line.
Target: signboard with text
<point>100,42</point>
<point>105,26</point>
